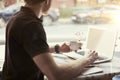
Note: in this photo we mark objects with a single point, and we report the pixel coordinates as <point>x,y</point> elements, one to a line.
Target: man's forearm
<point>72,69</point>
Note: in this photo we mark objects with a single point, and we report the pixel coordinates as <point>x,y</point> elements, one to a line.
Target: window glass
<point>69,20</point>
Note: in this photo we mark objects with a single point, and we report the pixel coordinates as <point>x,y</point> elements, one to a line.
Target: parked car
<point>81,14</point>
<point>98,15</point>
<point>52,16</point>
<point>6,13</point>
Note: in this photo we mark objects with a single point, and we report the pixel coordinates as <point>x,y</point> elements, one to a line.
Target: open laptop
<point>103,41</point>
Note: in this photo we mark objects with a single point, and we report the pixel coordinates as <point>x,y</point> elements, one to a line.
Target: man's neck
<point>36,9</point>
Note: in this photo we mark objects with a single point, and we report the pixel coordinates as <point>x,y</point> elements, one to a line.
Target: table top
<point>109,69</point>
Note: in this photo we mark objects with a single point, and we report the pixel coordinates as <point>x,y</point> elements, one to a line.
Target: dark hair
<point>32,2</point>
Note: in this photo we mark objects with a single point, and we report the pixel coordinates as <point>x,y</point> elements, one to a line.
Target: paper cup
<point>74,45</point>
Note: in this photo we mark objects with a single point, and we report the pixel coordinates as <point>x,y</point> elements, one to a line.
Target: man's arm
<point>68,71</point>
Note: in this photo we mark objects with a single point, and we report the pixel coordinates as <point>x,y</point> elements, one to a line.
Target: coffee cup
<point>74,45</point>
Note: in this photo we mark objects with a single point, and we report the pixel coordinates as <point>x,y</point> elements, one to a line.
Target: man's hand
<point>64,48</point>
<point>91,56</point>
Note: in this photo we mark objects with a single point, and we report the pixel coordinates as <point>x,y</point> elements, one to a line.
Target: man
<point>28,56</point>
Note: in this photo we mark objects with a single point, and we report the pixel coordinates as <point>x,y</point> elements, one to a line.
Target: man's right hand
<point>91,56</point>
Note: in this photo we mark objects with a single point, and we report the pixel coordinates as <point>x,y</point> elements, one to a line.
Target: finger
<point>90,51</point>
<point>93,54</point>
<point>96,55</point>
<point>93,51</point>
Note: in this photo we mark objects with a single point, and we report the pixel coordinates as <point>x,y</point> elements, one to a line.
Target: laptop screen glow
<point>101,40</point>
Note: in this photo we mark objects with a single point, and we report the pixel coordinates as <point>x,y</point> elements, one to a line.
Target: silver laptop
<point>103,41</point>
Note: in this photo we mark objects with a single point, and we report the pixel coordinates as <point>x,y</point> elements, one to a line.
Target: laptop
<point>103,41</point>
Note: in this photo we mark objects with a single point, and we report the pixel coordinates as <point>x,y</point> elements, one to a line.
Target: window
<point>71,22</point>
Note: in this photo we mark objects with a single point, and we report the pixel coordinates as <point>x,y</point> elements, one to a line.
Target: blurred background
<point>67,20</point>
<point>79,11</point>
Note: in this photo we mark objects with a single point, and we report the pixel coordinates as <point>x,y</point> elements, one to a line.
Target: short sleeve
<point>34,39</point>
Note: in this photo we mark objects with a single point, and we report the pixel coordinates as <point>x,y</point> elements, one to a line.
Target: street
<point>60,29</point>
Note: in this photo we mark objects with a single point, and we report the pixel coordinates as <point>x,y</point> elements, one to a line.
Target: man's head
<point>33,2</point>
<point>45,4</point>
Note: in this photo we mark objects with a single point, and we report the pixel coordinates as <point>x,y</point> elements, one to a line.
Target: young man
<point>28,56</point>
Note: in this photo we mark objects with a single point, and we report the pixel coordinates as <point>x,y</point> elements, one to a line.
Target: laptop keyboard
<point>102,58</point>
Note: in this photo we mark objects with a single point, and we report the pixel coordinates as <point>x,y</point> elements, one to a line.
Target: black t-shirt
<point>25,38</point>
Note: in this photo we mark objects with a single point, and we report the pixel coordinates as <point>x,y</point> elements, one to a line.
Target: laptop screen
<point>101,40</point>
